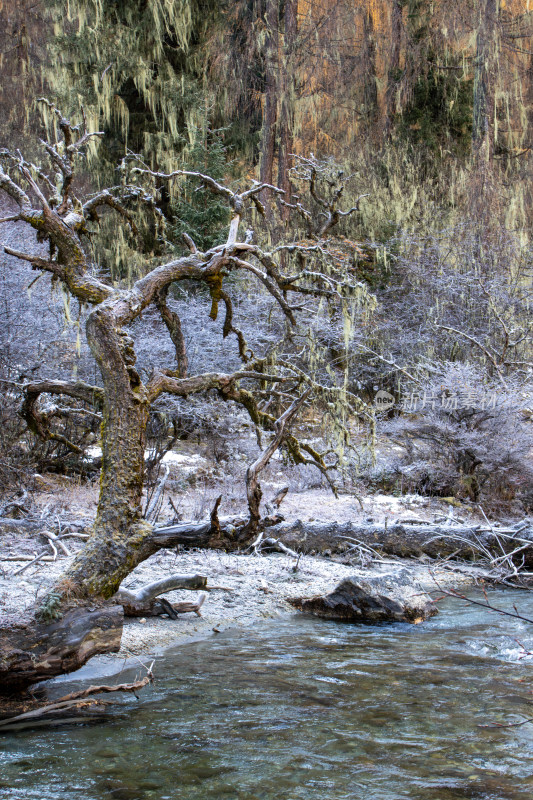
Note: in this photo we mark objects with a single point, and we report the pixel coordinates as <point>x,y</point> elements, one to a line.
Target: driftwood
<point>9,525</point>
<point>54,542</point>
<point>506,553</point>
<point>30,559</point>
<point>462,542</point>
<point>33,650</point>
<point>34,560</point>
<point>403,539</point>
<point>73,707</point>
<point>32,525</point>
<point>20,505</point>
<point>274,544</point>
<point>226,533</point>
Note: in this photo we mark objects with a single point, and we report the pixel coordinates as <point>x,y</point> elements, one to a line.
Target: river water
<point>303,708</point>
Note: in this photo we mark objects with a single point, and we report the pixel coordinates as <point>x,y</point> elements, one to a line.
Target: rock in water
<point>393,597</point>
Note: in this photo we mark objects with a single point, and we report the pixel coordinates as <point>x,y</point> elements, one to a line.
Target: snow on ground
<point>188,462</point>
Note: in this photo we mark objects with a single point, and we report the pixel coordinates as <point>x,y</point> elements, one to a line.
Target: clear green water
<point>304,709</point>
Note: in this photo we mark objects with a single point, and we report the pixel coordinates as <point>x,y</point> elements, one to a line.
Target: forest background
<point>426,109</point>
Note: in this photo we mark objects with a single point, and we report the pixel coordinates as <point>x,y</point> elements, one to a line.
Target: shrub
<point>465,436</point>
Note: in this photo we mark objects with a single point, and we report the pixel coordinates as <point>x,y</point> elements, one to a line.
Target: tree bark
<point>485,66</point>
<point>115,546</point>
<point>270,95</point>
<point>394,74</point>
<point>286,100</point>
<point>145,601</point>
<point>173,323</point>
<point>370,90</point>
<point>34,649</point>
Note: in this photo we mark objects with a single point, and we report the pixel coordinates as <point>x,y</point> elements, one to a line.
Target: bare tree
<point>76,609</point>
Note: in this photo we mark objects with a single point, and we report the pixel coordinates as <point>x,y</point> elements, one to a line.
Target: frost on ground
<point>243,589</point>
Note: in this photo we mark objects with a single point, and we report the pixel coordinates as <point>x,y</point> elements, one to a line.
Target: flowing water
<point>303,708</point>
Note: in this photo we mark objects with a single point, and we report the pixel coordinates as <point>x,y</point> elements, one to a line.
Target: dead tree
<point>121,537</point>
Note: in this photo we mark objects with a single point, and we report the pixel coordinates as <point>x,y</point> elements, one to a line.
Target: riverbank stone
<point>392,597</point>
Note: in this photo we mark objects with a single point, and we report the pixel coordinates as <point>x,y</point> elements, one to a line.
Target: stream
<point>302,708</point>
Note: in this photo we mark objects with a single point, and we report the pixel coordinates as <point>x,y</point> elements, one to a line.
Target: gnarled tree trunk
<point>115,547</point>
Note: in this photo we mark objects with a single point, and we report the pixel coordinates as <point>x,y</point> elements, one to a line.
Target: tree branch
<point>253,487</point>
<point>15,191</point>
<point>173,323</point>
<point>37,421</point>
<point>105,198</point>
<point>215,186</point>
<point>244,352</point>
<point>36,261</point>
<point>268,283</point>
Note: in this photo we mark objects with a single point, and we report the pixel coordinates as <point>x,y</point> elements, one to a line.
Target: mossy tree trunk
<point>394,76</point>
<point>114,548</point>
<point>270,93</point>
<point>286,94</point>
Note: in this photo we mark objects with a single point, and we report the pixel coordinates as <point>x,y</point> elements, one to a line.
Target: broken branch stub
<point>145,601</point>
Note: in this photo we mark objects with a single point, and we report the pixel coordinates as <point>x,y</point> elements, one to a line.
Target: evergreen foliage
<point>195,210</point>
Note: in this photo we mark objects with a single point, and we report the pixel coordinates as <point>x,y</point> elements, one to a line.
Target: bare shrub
<point>462,294</point>
<point>466,436</point>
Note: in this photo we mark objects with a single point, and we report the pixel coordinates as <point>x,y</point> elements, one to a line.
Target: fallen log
<point>438,541</point>
<point>460,542</point>
<point>35,649</point>
<point>9,525</point>
<point>199,534</point>
<point>27,525</point>
<point>228,533</point>
<point>392,597</point>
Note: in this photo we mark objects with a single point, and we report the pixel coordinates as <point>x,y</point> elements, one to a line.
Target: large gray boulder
<point>393,597</point>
